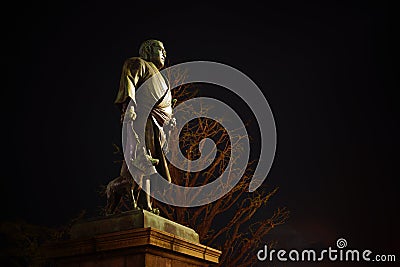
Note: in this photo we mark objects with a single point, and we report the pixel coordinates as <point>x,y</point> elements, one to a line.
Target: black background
<point>325,68</point>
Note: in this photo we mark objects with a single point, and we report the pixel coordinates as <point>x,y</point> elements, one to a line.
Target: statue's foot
<point>156,211</point>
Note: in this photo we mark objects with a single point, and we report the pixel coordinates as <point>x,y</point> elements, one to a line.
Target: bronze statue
<point>145,153</point>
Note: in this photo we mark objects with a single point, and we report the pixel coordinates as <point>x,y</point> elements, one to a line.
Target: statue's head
<point>153,51</point>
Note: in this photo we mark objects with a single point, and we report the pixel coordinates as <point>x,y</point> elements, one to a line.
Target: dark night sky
<point>325,69</point>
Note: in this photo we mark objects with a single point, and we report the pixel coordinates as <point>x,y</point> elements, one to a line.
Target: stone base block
<point>130,239</point>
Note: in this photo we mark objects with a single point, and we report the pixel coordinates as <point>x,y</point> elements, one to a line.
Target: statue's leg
<point>112,196</point>
<point>115,200</point>
<point>135,206</point>
<point>110,206</point>
<point>148,198</point>
<point>137,197</point>
<point>135,188</point>
<point>148,193</point>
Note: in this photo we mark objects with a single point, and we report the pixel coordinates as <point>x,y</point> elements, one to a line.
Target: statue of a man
<point>145,153</point>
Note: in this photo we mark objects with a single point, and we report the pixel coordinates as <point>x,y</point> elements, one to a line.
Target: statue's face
<point>158,54</point>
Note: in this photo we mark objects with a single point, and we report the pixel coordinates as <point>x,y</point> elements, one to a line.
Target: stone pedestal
<point>136,238</point>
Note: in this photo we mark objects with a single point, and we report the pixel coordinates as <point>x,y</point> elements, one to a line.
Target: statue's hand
<point>172,123</point>
<point>173,102</point>
<point>130,114</point>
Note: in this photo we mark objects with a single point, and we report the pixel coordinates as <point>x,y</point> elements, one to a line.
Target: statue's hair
<point>145,48</point>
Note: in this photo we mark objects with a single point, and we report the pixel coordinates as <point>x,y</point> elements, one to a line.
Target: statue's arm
<point>132,75</point>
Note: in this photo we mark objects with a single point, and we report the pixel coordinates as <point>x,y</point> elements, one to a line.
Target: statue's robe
<point>134,73</point>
